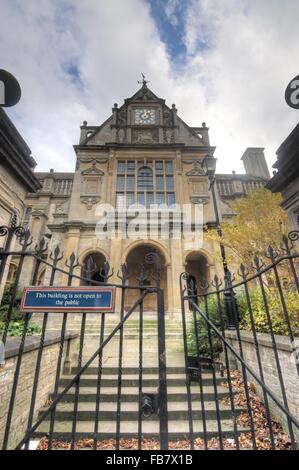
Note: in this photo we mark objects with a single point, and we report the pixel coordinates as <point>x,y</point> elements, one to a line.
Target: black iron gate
<point>218,323</point>
<point>148,404</point>
<point>214,318</point>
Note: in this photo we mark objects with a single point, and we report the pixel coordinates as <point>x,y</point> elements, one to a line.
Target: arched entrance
<point>134,259</point>
<point>197,266</point>
<point>92,267</point>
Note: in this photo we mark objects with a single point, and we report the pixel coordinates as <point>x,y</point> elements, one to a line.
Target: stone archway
<point>197,265</point>
<point>93,262</point>
<point>134,259</point>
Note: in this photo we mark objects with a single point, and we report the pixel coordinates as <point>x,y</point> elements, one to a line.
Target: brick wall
<point>25,383</point>
<point>288,367</point>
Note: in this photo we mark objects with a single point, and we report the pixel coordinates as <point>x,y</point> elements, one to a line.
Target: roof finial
<point>143,82</point>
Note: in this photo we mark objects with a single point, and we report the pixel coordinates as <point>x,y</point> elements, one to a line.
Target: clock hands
<point>145,116</point>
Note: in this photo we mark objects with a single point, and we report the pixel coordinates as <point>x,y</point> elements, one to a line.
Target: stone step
<point>128,370</point>
<point>63,429</point>
<point>174,394</point>
<point>91,381</point>
<point>128,389</point>
<point>133,335</point>
<point>133,406</point>
<point>133,374</point>
<point>109,415</point>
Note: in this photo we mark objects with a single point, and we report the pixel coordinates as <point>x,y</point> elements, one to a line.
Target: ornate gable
<point>145,120</point>
<point>144,94</point>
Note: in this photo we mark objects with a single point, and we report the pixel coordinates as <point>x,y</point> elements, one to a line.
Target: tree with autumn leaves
<point>258,222</point>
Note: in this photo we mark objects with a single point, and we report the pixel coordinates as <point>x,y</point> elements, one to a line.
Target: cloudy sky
<point>225,62</point>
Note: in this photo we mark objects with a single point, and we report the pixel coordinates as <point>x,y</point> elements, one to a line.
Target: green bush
<point>204,347</point>
<point>279,324</point>
<point>16,328</point>
<point>277,316</point>
<point>15,314</point>
<point>16,324</point>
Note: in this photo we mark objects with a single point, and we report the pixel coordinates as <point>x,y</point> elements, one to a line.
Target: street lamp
<point>209,167</point>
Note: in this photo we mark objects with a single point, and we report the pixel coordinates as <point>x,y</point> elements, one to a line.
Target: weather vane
<point>143,82</point>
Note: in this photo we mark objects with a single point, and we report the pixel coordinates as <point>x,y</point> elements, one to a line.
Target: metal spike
<point>286,245</point>
<point>124,272</point>
<point>41,247</point>
<point>141,276</point>
<point>105,270</point>
<point>217,283</point>
<point>203,283</point>
<point>271,253</point>
<point>257,261</point>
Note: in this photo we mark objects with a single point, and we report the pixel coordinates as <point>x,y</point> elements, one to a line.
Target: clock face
<point>145,116</point>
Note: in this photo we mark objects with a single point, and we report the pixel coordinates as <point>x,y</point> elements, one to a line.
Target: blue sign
<point>68,299</point>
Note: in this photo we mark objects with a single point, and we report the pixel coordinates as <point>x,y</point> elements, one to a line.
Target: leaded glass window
<point>145,182</point>
<point>145,178</point>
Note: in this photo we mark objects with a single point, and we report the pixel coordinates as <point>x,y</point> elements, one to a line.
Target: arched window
<point>92,268</point>
<point>11,276</point>
<point>145,179</point>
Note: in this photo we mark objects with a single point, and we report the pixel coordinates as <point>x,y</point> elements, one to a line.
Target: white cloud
<point>240,57</point>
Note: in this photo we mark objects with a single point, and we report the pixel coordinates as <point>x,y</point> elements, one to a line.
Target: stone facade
<point>142,153</point>
<point>16,179</point>
<point>24,390</point>
<point>286,176</point>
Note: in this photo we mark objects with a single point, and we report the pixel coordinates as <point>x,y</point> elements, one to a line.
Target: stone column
<point>37,230</point>
<point>177,268</point>
<point>72,246</point>
<point>169,290</point>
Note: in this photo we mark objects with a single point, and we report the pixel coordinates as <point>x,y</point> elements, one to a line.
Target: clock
<point>145,116</point>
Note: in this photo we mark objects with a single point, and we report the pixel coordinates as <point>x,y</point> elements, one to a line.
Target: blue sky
<point>225,63</point>
<point>171,26</point>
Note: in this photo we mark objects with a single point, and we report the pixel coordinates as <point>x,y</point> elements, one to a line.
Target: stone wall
<point>25,383</point>
<point>288,367</point>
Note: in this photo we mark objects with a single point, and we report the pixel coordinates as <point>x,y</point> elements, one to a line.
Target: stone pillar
<point>170,299</point>
<point>37,230</point>
<point>116,246</point>
<point>72,246</point>
<point>177,268</point>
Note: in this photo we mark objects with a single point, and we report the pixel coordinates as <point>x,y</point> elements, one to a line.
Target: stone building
<point>16,180</point>
<point>143,153</point>
<point>286,176</point>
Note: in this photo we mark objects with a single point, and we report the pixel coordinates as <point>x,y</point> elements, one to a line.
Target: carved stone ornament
<point>122,116</point>
<point>144,136</point>
<point>169,136</point>
<point>60,209</point>
<point>144,94</point>
<point>89,201</point>
<point>39,212</point>
<point>199,200</point>
<point>93,170</point>
<point>121,135</point>
<point>92,160</point>
<point>197,170</point>
<point>167,117</point>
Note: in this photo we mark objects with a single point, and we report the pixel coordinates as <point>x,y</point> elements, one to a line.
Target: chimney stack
<point>255,163</point>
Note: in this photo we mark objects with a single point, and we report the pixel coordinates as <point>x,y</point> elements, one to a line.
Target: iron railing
<point>55,259</point>
<point>266,306</point>
<point>214,349</point>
